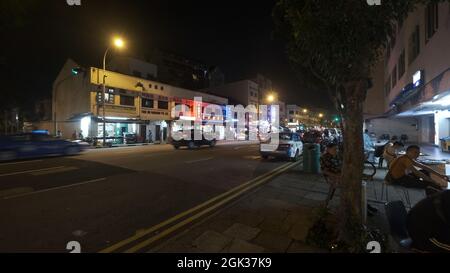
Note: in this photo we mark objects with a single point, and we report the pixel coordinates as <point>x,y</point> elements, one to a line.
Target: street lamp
<point>118,43</point>
<point>320,115</point>
<point>270,98</point>
<point>305,111</point>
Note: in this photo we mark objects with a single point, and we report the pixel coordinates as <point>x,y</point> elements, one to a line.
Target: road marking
<point>30,171</point>
<point>20,162</point>
<point>198,160</point>
<point>55,188</point>
<point>171,220</point>
<point>204,212</point>
<point>60,170</point>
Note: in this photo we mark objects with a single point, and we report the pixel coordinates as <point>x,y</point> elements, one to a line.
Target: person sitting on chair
<point>403,172</point>
<point>369,147</point>
<point>390,151</point>
<point>331,168</point>
<point>330,165</point>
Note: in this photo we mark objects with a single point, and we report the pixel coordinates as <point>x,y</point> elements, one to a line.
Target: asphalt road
<point>106,195</point>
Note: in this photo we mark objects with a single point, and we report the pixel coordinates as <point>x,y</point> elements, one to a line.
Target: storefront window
<point>163,104</point>
<point>148,103</point>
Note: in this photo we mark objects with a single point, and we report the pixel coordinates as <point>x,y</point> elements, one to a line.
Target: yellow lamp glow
<point>118,42</point>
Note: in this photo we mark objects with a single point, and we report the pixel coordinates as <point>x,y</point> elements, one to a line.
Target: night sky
<point>237,36</point>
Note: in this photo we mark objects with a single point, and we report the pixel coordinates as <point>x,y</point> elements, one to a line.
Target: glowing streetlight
<point>270,98</point>
<point>118,42</point>
<point>305,111</point>
<point>320,115</point>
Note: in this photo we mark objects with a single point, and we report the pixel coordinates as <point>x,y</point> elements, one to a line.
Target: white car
<point>290,146</point>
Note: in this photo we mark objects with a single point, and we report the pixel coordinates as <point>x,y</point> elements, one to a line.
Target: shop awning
<point>406,92</point>
<point>79,116</point>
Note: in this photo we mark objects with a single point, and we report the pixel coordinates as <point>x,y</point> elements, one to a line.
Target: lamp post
<point>118,43</point>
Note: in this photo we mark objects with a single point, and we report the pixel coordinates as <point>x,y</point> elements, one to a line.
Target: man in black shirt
<point>428,223</point>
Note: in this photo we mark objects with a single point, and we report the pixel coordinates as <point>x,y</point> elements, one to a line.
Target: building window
<point>163,104</point>
<point>388,50</point>
<point>291,112</point>
<point>414,45</point>
<point>401,64</point>
<point>126,100</point>
<point>148,103</point>
<point>291,120</point>
<point>162,87</point>
<point>109,98</point>
<point>394,76</point>
<point>387,86</point>
<point>150,85</point>
<point>431,20</point>
<point>136,73</point>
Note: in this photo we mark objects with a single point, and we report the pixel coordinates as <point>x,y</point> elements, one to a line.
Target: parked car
<point>29,145</point>
<point>290,146</point>
<point>130,138</point>
<point>312,136</point>
<point>191,143</point>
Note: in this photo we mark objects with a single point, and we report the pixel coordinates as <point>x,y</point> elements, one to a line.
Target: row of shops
<point>420,111</point>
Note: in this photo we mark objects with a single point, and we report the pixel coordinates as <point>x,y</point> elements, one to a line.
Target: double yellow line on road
<point>201,210</point>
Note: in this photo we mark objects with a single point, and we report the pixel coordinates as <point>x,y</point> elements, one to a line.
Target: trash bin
<point>445,144</point>
<point>311,158</point>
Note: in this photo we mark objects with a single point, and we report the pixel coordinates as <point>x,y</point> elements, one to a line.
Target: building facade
<point>133,67</point>
<point>183,72</point>
<point>301,118</point>
<point>245,92</point>
<point>132,104</point>
<point>411,87</point>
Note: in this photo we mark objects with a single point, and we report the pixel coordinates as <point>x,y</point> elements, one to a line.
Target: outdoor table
<point>440,167</point>
<point>404,152</point>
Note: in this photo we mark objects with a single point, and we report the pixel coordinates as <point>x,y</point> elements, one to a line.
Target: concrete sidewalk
<point>274,218</point>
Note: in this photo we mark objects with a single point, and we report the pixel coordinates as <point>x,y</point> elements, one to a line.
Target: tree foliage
<point>338,41</point>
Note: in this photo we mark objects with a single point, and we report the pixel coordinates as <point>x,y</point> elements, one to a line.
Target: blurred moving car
<point>190,142</point>
<point>290,146</point>
<point>29,145</point>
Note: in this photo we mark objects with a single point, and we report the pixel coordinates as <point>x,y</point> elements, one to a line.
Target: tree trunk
<point>353,96</point>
